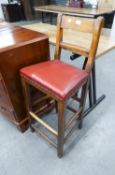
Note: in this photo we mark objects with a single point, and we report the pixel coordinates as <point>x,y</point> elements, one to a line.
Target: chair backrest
<point>86,25</point>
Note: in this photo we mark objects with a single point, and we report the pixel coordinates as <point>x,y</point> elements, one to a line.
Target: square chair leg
<point>61,127</point>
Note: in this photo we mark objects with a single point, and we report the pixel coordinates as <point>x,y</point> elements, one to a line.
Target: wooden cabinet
<point>13,12</point>
<point>29,5</point>
<point>19,47</point>
<point>6,107</point>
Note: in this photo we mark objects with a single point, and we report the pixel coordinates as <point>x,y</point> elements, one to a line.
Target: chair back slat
<point>92,26</point>
<point>73,48</point>
<point>77,23</point>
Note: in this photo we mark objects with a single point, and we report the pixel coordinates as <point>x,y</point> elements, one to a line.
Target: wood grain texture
<point>85,26</point>
<point>106,42</point>
<point>72,10</point>
<point>19,47</point>
<point>50,85</point>
<point>76,23</point>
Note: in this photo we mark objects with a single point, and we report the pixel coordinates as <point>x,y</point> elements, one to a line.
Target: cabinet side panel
<point>10,64</point>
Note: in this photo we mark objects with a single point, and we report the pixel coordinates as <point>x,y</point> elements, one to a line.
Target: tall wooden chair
<point>60,81</point>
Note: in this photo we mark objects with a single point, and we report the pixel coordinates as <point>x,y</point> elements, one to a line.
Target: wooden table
<point>19,47</point>
<point>74,11</point>
<point>82,12</point>
<point>106,44</point>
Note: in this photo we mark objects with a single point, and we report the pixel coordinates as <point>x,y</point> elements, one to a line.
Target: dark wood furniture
<point>19,47</point>
<point>29,5</point>
<point>61,81</point>
<point>13,12</point>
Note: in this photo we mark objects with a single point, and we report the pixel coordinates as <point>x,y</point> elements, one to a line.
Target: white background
<point>2,1</point>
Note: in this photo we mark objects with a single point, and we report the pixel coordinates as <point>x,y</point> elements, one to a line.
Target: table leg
<point>90,93</point>
<point>51,18</point>
<point>42,17</point>
<point>93,96</point>
<point>94,83</point>
<point>93,100</point>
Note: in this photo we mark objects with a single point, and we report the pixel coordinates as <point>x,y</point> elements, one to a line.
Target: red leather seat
<point>57,77</point>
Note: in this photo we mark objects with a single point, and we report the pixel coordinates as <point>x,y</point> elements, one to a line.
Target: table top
<point>72,10</point>
<point>12,36</point>
<point>106,43</point>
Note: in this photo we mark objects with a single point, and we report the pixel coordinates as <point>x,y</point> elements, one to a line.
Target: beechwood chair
<point>61,81</point>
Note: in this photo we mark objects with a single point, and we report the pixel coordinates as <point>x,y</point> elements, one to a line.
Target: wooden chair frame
<point>84,25</point>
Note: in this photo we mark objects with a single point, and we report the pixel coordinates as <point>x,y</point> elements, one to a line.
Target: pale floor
<point>89,151</point>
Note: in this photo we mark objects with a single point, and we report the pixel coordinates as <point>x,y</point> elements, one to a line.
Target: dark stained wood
<point>61,128</point>
<point>19,47</point>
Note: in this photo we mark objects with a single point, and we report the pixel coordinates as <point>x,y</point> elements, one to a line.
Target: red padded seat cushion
<point>57,77</point>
